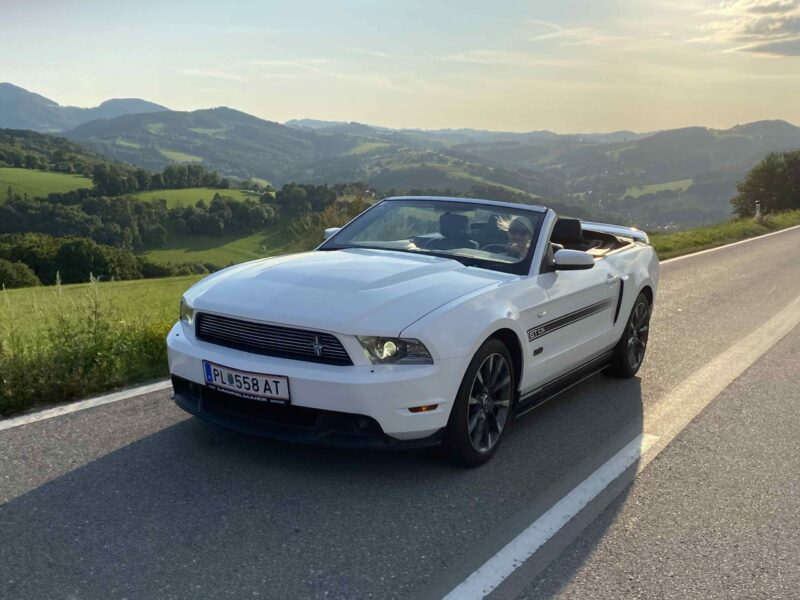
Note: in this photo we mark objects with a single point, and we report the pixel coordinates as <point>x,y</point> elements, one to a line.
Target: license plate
<point>256,386</point>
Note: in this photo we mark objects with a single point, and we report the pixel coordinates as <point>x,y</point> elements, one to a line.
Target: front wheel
<point>483,405</point>
<point>629,351</point>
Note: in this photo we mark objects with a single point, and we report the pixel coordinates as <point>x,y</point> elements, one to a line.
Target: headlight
<point>382,350</point>
<point>187,313</point>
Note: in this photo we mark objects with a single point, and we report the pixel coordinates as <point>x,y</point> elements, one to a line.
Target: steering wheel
<point>497,248</point>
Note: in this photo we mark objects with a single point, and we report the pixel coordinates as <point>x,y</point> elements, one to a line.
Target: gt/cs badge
<point>536,332</point>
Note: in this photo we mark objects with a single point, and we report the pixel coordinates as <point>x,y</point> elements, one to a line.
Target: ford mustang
<point>423,321</point>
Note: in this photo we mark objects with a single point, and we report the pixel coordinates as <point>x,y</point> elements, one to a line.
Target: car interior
<point>569,234</point>
<point>457,232</point>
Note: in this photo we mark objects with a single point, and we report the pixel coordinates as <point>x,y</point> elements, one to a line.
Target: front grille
<point>271,340</point>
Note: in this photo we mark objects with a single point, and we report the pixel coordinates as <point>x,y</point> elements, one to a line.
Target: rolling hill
<point>676,178</point>
<point>21,109</point>
<point>233,142</point>
<point>663,179</point>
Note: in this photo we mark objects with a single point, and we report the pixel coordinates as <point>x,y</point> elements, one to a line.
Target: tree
<point>292,199</point>
<point>16,274</point>
<point>774,183</point>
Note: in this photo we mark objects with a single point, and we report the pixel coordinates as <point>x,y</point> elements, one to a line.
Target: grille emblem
<point>317,347</point>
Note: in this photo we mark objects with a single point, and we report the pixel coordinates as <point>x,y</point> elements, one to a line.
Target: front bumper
<point>334,401</point>
<point>288,423</point>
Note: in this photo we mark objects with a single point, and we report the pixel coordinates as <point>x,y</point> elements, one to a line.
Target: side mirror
<point>331,231</point>
<point>573,260</point>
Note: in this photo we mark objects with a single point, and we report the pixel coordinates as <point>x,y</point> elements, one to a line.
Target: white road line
<point>662,424</point>
<point>84,404</point>
<point>525,545</point>
<point>752,239</point>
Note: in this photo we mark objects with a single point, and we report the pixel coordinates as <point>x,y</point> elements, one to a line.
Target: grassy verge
<point>65,342</point>
<point>669,245</point>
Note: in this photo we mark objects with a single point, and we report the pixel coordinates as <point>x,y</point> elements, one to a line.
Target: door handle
<point>611,278</point>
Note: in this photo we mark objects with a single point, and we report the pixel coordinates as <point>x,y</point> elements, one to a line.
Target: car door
<point>576,323</point>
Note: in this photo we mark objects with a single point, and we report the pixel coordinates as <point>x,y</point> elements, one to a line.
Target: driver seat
<point>455,233</point>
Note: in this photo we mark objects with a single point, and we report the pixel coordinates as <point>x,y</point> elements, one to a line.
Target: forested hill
<point>32,150</point>
<point>234,142</point>
<point>674,178</point>
<point>21,109</point>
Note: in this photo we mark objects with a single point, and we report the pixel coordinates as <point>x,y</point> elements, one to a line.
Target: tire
<point>629,351</point>
<point>482,409</point>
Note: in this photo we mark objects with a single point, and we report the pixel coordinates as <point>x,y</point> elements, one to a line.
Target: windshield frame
<point>521,267</point>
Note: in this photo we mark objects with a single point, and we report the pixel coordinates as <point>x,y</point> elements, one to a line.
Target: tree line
<point>117,180</point>
<point>30,259</point>
<point>130,223</point>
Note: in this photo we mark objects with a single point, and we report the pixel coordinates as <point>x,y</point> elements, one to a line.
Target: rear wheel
<point>483,405</point>
<point>629,351</point>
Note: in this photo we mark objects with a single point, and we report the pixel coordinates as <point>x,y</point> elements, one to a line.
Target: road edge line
<point>84,404</point>
<point>498,568</point>
<point>674,411</point>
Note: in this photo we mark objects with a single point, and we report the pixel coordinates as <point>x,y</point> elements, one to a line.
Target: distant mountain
<point>21,109</point>
<point>314,123</point>
<point>233,142</point>
<point>671,178</point>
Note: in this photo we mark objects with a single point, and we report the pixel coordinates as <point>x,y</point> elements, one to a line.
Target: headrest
<point>452,225</point>
<point>568,230</point>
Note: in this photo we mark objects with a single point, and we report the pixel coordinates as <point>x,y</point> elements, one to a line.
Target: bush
<point>16,274</point>
<point>85,348</point>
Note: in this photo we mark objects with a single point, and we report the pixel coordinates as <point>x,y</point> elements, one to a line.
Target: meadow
<point>38,183</point>
<point>680,185</point>
<point>65,342</point>
<point>190,196</point>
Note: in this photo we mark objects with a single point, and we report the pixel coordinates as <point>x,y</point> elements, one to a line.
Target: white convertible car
<point>424,320</point>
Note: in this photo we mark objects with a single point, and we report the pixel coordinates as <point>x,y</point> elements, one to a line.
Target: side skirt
<point>530,400</point>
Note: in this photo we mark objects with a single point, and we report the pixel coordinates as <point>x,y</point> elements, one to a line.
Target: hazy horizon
<point>573,67</point>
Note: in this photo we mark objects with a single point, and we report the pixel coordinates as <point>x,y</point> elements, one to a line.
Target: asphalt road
<point>137,500</point>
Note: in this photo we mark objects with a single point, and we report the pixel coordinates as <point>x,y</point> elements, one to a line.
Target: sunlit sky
<point>563,65</point>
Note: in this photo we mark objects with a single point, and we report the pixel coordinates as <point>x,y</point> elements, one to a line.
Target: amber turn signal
<point>419,409</point>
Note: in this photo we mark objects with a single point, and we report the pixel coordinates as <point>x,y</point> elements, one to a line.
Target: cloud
<point>763,26</point>
<point>508,58</point>
<point>210,74</point>
<point>309,64</point>
<point>782,48</point>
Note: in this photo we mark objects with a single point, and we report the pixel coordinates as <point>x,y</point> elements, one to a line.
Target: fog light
<point>426,408</point>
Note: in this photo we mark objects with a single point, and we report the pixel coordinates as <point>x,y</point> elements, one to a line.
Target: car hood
<point>352,291</point>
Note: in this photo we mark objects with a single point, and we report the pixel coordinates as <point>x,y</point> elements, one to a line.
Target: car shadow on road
<point>198,511</point>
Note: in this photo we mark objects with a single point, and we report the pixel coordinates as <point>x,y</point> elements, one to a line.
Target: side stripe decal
<point>573,317</point>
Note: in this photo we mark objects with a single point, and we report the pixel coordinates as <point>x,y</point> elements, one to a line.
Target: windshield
<point>488,236</point>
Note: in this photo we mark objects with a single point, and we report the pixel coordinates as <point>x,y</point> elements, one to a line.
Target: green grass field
<point>224,251</point>
<point>190,196</point>
<point>180,157</point>
<point>38,183</point>
<point>680,185</point>
<point>145,300</point>
<point>66,342</point>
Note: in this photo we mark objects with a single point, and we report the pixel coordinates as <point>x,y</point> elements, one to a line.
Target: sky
<point>563,65</point>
